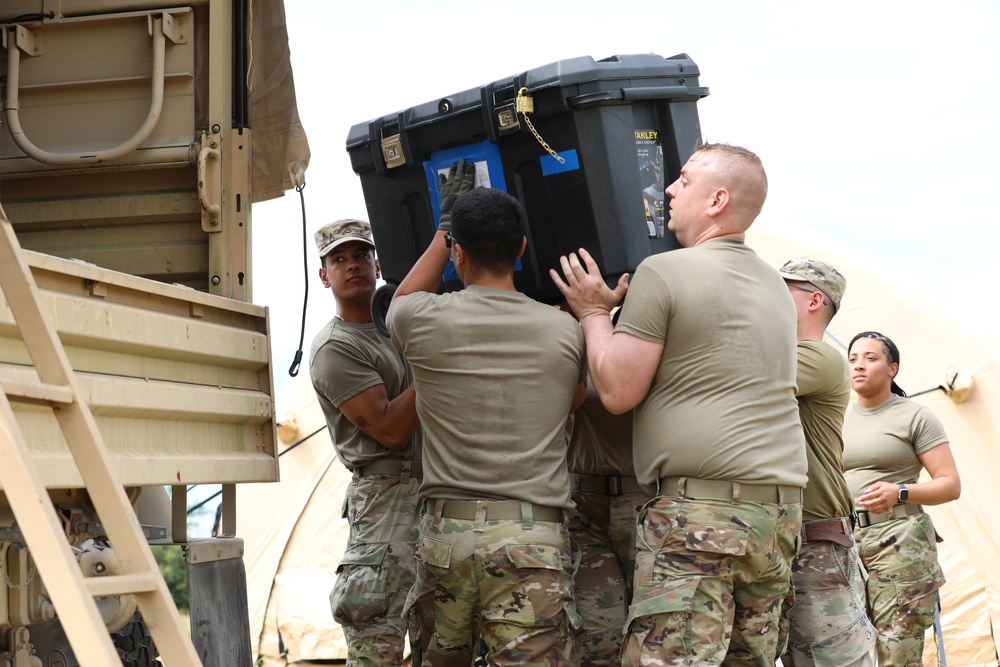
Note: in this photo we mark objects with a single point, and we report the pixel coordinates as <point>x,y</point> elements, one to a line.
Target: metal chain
<point>525,105</point>
<point>11,584</point>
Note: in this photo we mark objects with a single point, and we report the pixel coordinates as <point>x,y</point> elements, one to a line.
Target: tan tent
<point>294,536</point>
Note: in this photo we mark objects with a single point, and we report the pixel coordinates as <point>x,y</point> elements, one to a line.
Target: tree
<point>173,567</point>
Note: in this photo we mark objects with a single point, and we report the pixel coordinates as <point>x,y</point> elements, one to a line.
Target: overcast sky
<point>877,121</point>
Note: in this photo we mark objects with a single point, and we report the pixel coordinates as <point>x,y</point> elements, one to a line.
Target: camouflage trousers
<point>828,624</point>
<point>507,581</point>
<point>603,530</point>
<point>711,578</point>
<point>903,576</point>
<point>377,571</point>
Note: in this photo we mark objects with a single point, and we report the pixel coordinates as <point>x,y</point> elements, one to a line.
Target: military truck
<point>134,139</point>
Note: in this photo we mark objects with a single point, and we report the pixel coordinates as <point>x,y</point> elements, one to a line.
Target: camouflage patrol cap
<point>336,233</point>
<point>819,274</point>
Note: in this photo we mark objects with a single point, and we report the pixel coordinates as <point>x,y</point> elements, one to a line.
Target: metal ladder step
<point>121,584</point>
<point>72,593</point>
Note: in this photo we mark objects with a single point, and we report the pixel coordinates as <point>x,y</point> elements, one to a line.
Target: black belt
<point>717,489</point>
<point>608,485</point>
<point>496,510</point>
<point>866,518</point>
<point>829,530</point>
<point>390,467</point>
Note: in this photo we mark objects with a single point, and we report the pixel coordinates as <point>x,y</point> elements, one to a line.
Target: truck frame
<point>131,358</point>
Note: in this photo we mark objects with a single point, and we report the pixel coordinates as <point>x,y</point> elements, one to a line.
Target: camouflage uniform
<point>378,570</point>
<point>718,435</point>
<point>829,623</point>
<point>378,567</point>
<point>904,574</point>
<point>898,548</point>
<point>608,499</point>
<point>702,568</point>
<point>603,528</point>
<point>509,581</point>
<point>496,374</point>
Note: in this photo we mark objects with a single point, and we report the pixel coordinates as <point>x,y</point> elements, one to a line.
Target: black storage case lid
<point>622,126</point>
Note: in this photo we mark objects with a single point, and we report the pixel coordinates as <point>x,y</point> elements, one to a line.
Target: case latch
<point>392,151</point>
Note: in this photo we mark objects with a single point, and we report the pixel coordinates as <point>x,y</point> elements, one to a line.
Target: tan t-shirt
<point>882,444</point>
<point>600,443</point>
<point>345,360</point>
<point>495,373</point>
<point>823,392</point>
<point>722,402</point>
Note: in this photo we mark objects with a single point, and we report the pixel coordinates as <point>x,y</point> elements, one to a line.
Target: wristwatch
<point>904,494</point>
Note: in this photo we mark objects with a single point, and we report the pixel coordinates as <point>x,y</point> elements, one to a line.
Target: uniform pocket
<point>930,532</point>
<point>671,604</point>
<point>436,553</point>
<point>671,597</point>
<point>359,595</point>
<point>725,539</point>
<point>682,540</point>
<point>534,556</point>
<point>915,607</point>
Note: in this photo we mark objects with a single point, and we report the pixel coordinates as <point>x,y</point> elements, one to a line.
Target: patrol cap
<point>819,274</point>
<point>337,233</point>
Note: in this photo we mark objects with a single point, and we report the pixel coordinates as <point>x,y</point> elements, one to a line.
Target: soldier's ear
<point>378,270</point>
<point>817,300</point>
<point>323,277</point>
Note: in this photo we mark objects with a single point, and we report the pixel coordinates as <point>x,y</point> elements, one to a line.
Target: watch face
<point>904,494</point>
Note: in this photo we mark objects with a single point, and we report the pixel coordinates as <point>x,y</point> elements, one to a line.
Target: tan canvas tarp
<point>288,585</point>
<point>281,151</point>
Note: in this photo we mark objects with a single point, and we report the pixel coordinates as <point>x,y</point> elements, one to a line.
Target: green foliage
<point>174,570</point>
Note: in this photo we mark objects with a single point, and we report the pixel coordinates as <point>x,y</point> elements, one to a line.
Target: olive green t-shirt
<point>495,373</point>
<point>823,392</point>
<point>722,403</point>
<point>345,360</point>
<point>600,443</point>
<point>882,444</point>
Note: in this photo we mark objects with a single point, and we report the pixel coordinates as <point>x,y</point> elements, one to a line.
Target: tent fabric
<point>293,539</point>
<point>293,554</point>
<point>280,148</point>
<point>302,586</point>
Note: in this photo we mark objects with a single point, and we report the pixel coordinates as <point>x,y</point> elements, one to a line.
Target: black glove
<point>461,178</point>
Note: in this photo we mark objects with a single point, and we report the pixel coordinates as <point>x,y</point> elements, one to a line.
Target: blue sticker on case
<point>550,165</point>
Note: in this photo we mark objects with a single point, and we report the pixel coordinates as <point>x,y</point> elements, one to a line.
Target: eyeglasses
<point>449,240</point>
<point>810,291</point>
